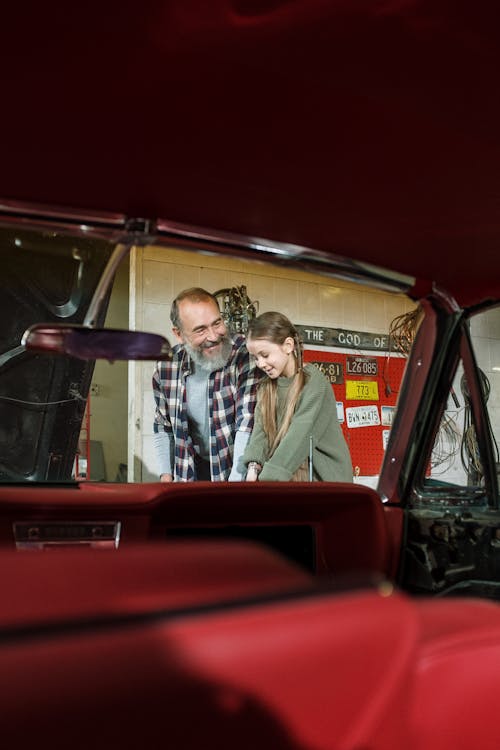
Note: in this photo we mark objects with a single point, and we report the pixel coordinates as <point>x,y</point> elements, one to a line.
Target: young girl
<point>296,413</point>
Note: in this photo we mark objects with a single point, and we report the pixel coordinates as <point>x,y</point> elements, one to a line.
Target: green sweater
<point>316,415</point>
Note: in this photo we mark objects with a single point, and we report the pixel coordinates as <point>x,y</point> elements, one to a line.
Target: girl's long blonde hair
<point>275,327</point>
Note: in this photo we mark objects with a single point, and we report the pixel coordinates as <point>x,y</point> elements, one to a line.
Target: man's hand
<point>166,478</point>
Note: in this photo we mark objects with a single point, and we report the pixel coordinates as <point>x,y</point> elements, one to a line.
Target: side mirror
<point>95,343</point>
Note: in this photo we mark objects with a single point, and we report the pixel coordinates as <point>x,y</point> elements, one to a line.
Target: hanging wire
<point>446,445</point>
<point>469,449</point>
<point>402,331</point>
<point>42,404</point>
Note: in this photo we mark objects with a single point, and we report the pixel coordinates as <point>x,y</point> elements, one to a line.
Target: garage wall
<point>157,276</point>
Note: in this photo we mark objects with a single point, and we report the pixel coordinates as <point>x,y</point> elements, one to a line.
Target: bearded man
<point>204,394</point>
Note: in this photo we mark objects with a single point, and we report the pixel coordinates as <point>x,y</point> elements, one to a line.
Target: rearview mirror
<point>95,343</point>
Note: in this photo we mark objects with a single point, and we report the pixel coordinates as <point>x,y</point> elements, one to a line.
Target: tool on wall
<point>237,308</point>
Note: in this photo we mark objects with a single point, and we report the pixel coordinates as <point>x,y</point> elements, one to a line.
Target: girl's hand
<point>253,471</point>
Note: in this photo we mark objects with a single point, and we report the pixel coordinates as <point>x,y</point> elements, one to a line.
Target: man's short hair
<point>193,294</point>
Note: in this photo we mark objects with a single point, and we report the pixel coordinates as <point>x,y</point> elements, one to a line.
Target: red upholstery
<point>458,675</point>
<point>311,671</point>
<point>225,644</point>
<point>312,664</point>
<point>67,585</point>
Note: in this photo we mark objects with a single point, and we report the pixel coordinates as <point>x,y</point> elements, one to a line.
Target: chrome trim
<point>11,354</point>
<point>120,251</point>
<point>44,534</point>
<point>80,223</point>
<point>139,231</point>
<point>281,253</point>
<point>60,213</point>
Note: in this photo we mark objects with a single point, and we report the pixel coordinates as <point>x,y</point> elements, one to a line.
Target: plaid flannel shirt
<point>231,399</point>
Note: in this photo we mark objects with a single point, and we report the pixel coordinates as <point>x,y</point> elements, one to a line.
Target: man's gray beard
<point>213,363</point>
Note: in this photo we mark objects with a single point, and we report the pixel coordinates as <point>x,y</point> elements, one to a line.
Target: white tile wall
<point>375,313</point>
<point>156,319</point>
<point>494,358</point>
<point>331,305</point>
<point>493,323</point>
<point>261,288</point>
<point>157,281</point>
<point>494,412</point>
<point>287,297</point>
<point>483,350</point>
<point>494,397</point>
<point>214,279</point>
<point>355,312</point>
<point>307,309</point>
<point>185,277</point>
<point>479,326</point>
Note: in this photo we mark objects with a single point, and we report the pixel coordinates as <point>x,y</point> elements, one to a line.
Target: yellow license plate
<point>361,390</point>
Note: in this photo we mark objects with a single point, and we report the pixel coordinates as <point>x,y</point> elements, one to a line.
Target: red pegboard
<point>365,443</point>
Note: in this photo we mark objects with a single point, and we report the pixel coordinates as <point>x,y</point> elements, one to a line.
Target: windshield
<point>65,420</point>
